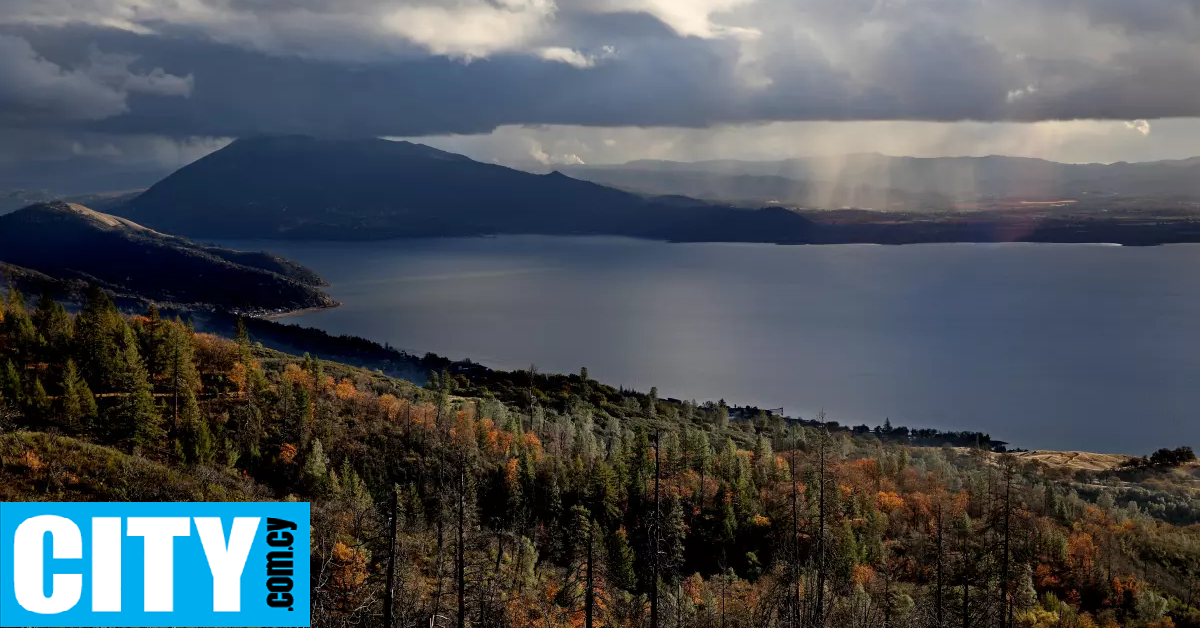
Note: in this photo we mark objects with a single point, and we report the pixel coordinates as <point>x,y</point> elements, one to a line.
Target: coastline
<point>274,316</point>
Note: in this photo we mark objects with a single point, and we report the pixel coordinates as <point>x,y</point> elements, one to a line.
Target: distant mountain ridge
<point>67,241</point>
<point>308,188</point>
<point>12,200</point>
<point>872,179</point>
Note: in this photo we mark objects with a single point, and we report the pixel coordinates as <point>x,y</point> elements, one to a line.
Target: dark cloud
<point>656,78</point>
<point>34,88</point>
<point>238,92</point>
<point>368,67</point>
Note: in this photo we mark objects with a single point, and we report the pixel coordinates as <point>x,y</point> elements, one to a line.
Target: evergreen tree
<point>621,561</point>
<point>315,474</point>
<point>845,555</point>
<point>55,327</point>
<point>155,345</point>
<point>674,533</point>
<point>181,379</point>
<point>299,416</point>
<point>764,462</point>
<point>89,411</point>
<point>603,495</point>
<point>40,406</point>
<point>98,331</point>
<point>15,301</point>
<point>134,417</point>
<point>10,384</point>
<point>195,436</point>
<point>71,401</point>
<point>727,524</point>
<point>1025,596</point>
<point>23,338</point>
<point>246,431</point>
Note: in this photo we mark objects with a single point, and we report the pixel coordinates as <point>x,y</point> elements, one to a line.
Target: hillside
<point>302,187</point>
<point>579,491</point>
<point>36,465</point>
<point>1075,459</point>
<point>68,242</point>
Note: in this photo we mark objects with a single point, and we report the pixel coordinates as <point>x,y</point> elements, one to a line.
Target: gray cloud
<point>706,61</point>
<point>34,88</point>
<point>226,68</point>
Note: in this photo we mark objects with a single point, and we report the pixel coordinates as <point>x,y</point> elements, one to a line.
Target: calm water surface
<point>1049,346</point>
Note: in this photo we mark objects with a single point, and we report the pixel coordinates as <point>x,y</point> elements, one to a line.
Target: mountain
<point>67,241</point>
<point>303,187</point>
<point>874,180</point>
<point>756,190</point>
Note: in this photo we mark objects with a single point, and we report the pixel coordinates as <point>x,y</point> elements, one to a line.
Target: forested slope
<point>449,503</point>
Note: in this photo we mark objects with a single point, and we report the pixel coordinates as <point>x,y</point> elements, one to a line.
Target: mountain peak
<point>305,187</point>
<point>374,146</point>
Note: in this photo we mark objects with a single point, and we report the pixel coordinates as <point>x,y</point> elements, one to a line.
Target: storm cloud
<point>228,68</point>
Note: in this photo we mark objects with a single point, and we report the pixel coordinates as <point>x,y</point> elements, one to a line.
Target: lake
<point>1084,347</point>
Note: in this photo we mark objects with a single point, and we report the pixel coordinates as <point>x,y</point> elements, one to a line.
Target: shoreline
<point>274,316</point>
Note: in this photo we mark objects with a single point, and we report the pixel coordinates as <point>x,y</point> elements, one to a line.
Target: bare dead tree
<point>389,599</point>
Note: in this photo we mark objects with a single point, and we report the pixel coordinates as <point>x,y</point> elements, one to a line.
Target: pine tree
<point>89,412</point>
<point>180,377</point>
<point>846,554</point>
<point>315,474</point>
<point>764,462</point>
<point>40,406</point>
<point>674,533</point>
<point>23,338</point>
<point>15,301</point>
<point>299,417</point>
<point>155,344</point>
<point>71,406</point>
<point>603,495</point>
<point>135,416</point>
<point>1025,595</point>
<point>727,521</point>
<point>10,384</point>
<point>195,435</point>
<point>56,328</point>
<point>98,328</point>
<point>621,561</point>
<point>578,590</point>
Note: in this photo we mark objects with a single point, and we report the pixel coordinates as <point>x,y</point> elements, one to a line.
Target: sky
<point>89,87</point>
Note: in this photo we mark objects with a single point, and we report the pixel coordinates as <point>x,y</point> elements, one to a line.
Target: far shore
<point>286,314</point>
<point>273,316</point>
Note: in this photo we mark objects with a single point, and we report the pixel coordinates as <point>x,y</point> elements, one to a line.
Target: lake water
<point>1093,348</point>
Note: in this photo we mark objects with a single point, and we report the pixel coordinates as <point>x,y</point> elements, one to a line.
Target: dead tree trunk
<point>589,594</point>
<point>654,539</point>
<point>819,611</point>
<point>938,598</point>
<point>794,580</point>
<point>389,597</point>
<point>461,557</point>
<point>1007,607</point>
